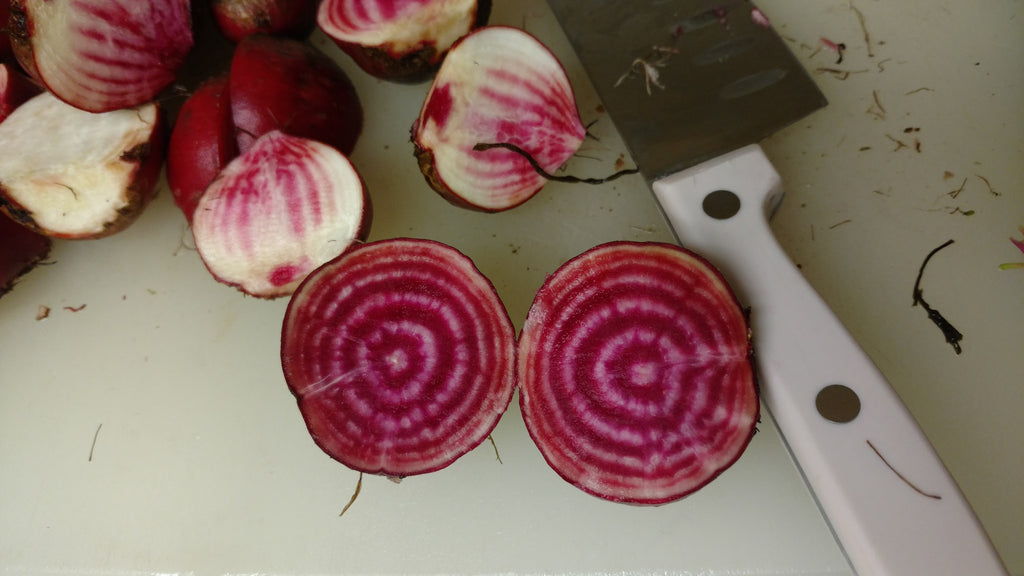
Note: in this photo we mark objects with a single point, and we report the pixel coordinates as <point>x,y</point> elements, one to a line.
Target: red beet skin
<point>237,19</point>
<point>15,88</point>
<point>20,250</point>
<point>6,51</point>
<point>636,374</point>
<point>201,144</point>
<point>284,84</point>
<point>401,356</point>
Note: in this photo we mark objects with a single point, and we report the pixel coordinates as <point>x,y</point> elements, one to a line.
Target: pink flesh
<point>401,356</point>
<point>636,376</point>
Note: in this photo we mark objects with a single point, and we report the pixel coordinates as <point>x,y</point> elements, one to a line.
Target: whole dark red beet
<point>202,142</point>
<point>279,83</point>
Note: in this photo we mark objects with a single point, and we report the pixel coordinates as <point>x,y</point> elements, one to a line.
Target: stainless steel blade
<point>687,80</point>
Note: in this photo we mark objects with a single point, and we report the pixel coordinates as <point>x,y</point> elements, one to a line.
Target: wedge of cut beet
<point>401,356</point>
<point>277,212</point>
<point>68,173</point>
<point>400,41</point>
<point>102,55</point>
<point>636,373</point>
<point>498,85</point>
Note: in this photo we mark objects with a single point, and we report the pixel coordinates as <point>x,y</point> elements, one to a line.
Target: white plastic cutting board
<point>151,432</point>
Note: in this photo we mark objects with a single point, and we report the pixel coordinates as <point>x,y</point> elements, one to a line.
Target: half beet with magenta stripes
<point>401,356</point>
<point>636,373</point>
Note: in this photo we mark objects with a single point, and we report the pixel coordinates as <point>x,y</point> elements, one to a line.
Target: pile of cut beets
<point>633,365</point>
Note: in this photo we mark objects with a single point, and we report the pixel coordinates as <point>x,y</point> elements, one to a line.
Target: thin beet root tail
<point>554,177</point>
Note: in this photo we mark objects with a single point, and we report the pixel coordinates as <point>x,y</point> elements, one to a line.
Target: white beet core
<point>65,165</point>
<point>444,22</point>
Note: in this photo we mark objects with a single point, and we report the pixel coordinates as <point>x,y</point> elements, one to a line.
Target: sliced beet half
<point>277,212</point>
<point>498,85</point>
<point>401,356</point>
<point>636,373</point>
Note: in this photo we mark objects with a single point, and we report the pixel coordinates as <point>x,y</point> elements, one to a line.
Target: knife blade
<point>693,86</point>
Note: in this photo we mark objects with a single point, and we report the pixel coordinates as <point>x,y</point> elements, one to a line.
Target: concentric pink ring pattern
<point>636,377</point>
<point>401,356</point>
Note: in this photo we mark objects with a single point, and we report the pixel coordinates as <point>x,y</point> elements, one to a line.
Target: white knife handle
<point>892,504</point>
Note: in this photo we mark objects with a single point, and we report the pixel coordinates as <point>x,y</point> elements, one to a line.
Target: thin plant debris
<point>952,335</point>
<point>355,494</point>
<point>864,29</point>
<point>1020,246</point>
<point>838,47</point>
<point>901,476</point>
<point>647,67</point>
<point>876,109</point>
<point>495,446</point>
<point>95,435</point>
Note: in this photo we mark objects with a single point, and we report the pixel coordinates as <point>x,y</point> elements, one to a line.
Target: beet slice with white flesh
<point>401,356</point>
<point>277,212</point>
<point>400,41</point>
<point>102,55</point>
<point>498,85</point>
<point>636,373</point>
<point>68,173</point>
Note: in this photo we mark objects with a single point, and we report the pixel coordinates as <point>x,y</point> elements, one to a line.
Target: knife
<point>693,86</point>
